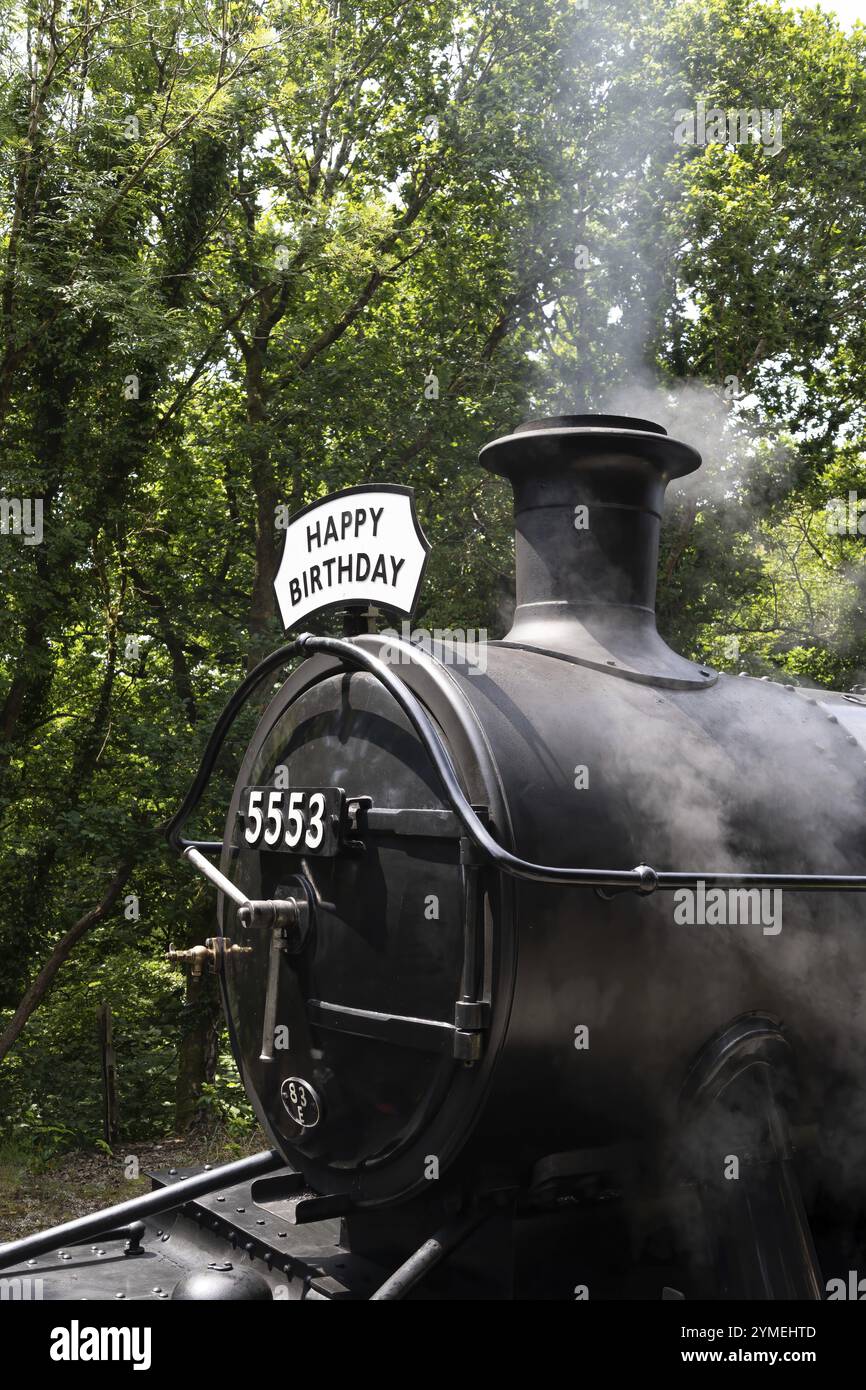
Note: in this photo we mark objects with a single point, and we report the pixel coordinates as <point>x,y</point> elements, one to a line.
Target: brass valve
<point>211,954</point>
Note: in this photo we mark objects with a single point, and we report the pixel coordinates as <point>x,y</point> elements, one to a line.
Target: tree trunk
<point>263,603</point>
<point>45,978</point>
<point>199,1049</point>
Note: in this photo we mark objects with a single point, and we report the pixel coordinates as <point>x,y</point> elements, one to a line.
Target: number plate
<point>299,820</point>
<point>301,1101</point>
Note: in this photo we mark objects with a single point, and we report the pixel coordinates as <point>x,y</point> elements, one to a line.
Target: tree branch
<point>44,979</point>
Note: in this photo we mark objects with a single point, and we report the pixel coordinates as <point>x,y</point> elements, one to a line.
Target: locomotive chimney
<point>588,500</point>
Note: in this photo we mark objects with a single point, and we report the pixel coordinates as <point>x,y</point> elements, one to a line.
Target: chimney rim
<point>551,442</point>
<point>587,421</point>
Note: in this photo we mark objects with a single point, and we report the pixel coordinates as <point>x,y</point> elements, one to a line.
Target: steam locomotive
<point>493,1058</point>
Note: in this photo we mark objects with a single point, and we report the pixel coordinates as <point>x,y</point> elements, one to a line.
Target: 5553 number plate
<point>303,820</point>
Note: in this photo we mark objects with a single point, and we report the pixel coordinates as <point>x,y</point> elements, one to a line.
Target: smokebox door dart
<point>523,939</point>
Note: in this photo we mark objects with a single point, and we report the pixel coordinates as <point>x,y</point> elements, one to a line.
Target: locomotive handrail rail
<point>153,1203</point>
<point>642,879</point>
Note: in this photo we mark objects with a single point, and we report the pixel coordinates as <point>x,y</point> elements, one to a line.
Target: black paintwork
<point>607,1171</point>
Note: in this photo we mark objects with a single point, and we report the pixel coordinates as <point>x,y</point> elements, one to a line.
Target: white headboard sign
<point>362,546</point>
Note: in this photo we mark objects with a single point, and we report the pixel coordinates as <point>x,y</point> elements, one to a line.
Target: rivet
<point>207,1167</point>
<point>171,1171</point>
<point>157,1288</point>
<point>240,1208</point>
<point>833,719</point>
<point>163,1295</point>
<point>282,1234</point>
<point>166,1236</point>
<point>120,1295</point>
<point>260,1221</point>
<point>220,1199</point>
<point>32,1263</point>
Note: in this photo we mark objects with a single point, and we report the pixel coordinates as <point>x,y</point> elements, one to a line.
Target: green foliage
<point>49,1084</point>
<point>224,1101</point>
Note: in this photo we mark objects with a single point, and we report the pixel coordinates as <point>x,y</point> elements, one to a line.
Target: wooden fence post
<point>109,1076</point>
